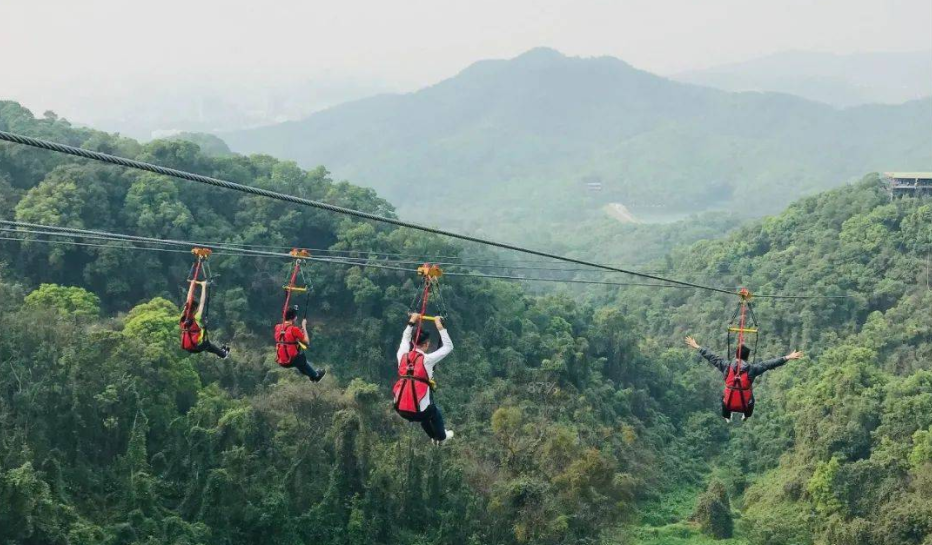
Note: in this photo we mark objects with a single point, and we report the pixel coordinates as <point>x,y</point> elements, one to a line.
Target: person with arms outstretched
<point>194,325</point>
<point>291,342</point>
<point>413,392</point>
<point>739,376</point>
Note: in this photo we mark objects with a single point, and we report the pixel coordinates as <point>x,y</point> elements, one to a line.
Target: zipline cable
<point>216,182</point>
<point>239,252</point>
<point>90,244</point>
<point>34,228</point>
<point>235,253</point>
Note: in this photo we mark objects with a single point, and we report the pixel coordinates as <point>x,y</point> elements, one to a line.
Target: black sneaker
<point>320,375</point>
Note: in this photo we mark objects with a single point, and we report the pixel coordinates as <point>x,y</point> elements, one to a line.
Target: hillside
<point>506,142</point>
<point>580,417</point>
<point>113,435</point>
<point>839,80</point>
<point>840,451</point>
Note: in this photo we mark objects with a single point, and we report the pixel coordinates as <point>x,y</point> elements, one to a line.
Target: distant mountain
<point>839,80</point>
<point>145,111</point>
<point>210,145</point>
<point>552,139</point>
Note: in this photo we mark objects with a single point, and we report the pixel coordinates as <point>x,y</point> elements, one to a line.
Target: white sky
<point>55,51</point>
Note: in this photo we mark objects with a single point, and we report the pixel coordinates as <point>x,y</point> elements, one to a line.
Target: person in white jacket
<point>430,416</point>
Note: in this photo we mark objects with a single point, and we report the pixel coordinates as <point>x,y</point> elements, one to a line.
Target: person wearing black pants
<point>740,366</point>
<point>433,424</point>
<point>291,342</point>
<point>194,325</point>
<point>304,367</point>
<point>428,413</point>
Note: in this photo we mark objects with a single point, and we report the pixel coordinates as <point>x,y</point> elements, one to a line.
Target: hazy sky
<point>59,52</point>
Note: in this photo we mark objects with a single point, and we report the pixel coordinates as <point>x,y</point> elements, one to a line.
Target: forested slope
<point>839,450</point>
<point>578,421</point>
<point>112,435</point>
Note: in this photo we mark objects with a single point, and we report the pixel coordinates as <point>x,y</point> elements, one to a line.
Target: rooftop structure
<point>908,183</point>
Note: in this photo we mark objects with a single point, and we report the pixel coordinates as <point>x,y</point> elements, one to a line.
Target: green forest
<point>580,415</point>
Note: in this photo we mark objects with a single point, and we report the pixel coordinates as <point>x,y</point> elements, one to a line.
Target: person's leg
<point>426,424</point>
<point>750,409</point>
<point>437,424</point>
<point>726,414</point>
<point>301,364</point>
<point>208,346</point>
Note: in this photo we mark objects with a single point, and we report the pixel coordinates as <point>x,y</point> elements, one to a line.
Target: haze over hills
<point>839,80</point>
<point>528,134</point>
<point>144,111</point>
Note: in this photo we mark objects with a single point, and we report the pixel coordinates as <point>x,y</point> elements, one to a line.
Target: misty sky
<point>63,53</point>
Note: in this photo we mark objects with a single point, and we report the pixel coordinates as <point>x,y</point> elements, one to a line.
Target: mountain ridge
<point>840,80</point>
<point>524,132</point>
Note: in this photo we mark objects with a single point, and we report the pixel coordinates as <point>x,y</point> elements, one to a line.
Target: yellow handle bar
<point>298,289</point>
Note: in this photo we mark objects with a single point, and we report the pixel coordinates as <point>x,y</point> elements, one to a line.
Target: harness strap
<point>426,381</point>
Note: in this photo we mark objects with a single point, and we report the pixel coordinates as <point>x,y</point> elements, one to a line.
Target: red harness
<point>287,346</point>
<point>412,386</point>
<point>190,331</point>
<point>738,389</point>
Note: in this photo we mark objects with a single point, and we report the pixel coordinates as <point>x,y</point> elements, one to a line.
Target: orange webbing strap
<point>298,254</point>
<point>736,380</point>
<point>420,320</point>
<point>288,288</point>
<point>430,274</point>
<point>195,273</point>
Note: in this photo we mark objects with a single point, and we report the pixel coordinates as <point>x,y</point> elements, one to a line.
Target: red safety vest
<point>413,384</point>
<point>738,393</point>
<point>287,346</point>
<point>190,332</point>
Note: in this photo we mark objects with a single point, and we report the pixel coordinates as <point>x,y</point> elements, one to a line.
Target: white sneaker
<point>727,419</point>
<point>744,417</point>
<point>449,436</point>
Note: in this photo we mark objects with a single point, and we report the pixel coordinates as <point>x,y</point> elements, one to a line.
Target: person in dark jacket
<point>739,376</point>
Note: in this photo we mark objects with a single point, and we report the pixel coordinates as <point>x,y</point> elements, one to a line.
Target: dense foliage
<point>839,450</point>
<point>112,434</point>
<point>577,421</point>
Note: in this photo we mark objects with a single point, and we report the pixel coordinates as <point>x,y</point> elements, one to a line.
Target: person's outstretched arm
<point>434,357</point>
<point>190,296</point>
<point>716,361</point>
<point>405,345</point>
<point>203,302</point>
<point>758,369</point>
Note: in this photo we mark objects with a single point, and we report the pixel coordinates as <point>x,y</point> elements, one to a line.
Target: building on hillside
<point>593,183</point>
<point>908,183</point>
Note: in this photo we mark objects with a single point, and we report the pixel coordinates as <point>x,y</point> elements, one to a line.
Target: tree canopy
<point>580,417</point>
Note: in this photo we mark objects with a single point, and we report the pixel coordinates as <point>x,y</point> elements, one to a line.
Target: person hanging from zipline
<point>412,392</point>
<point>291,343</point>
<point>739,376</point>
<point>193,322</point>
